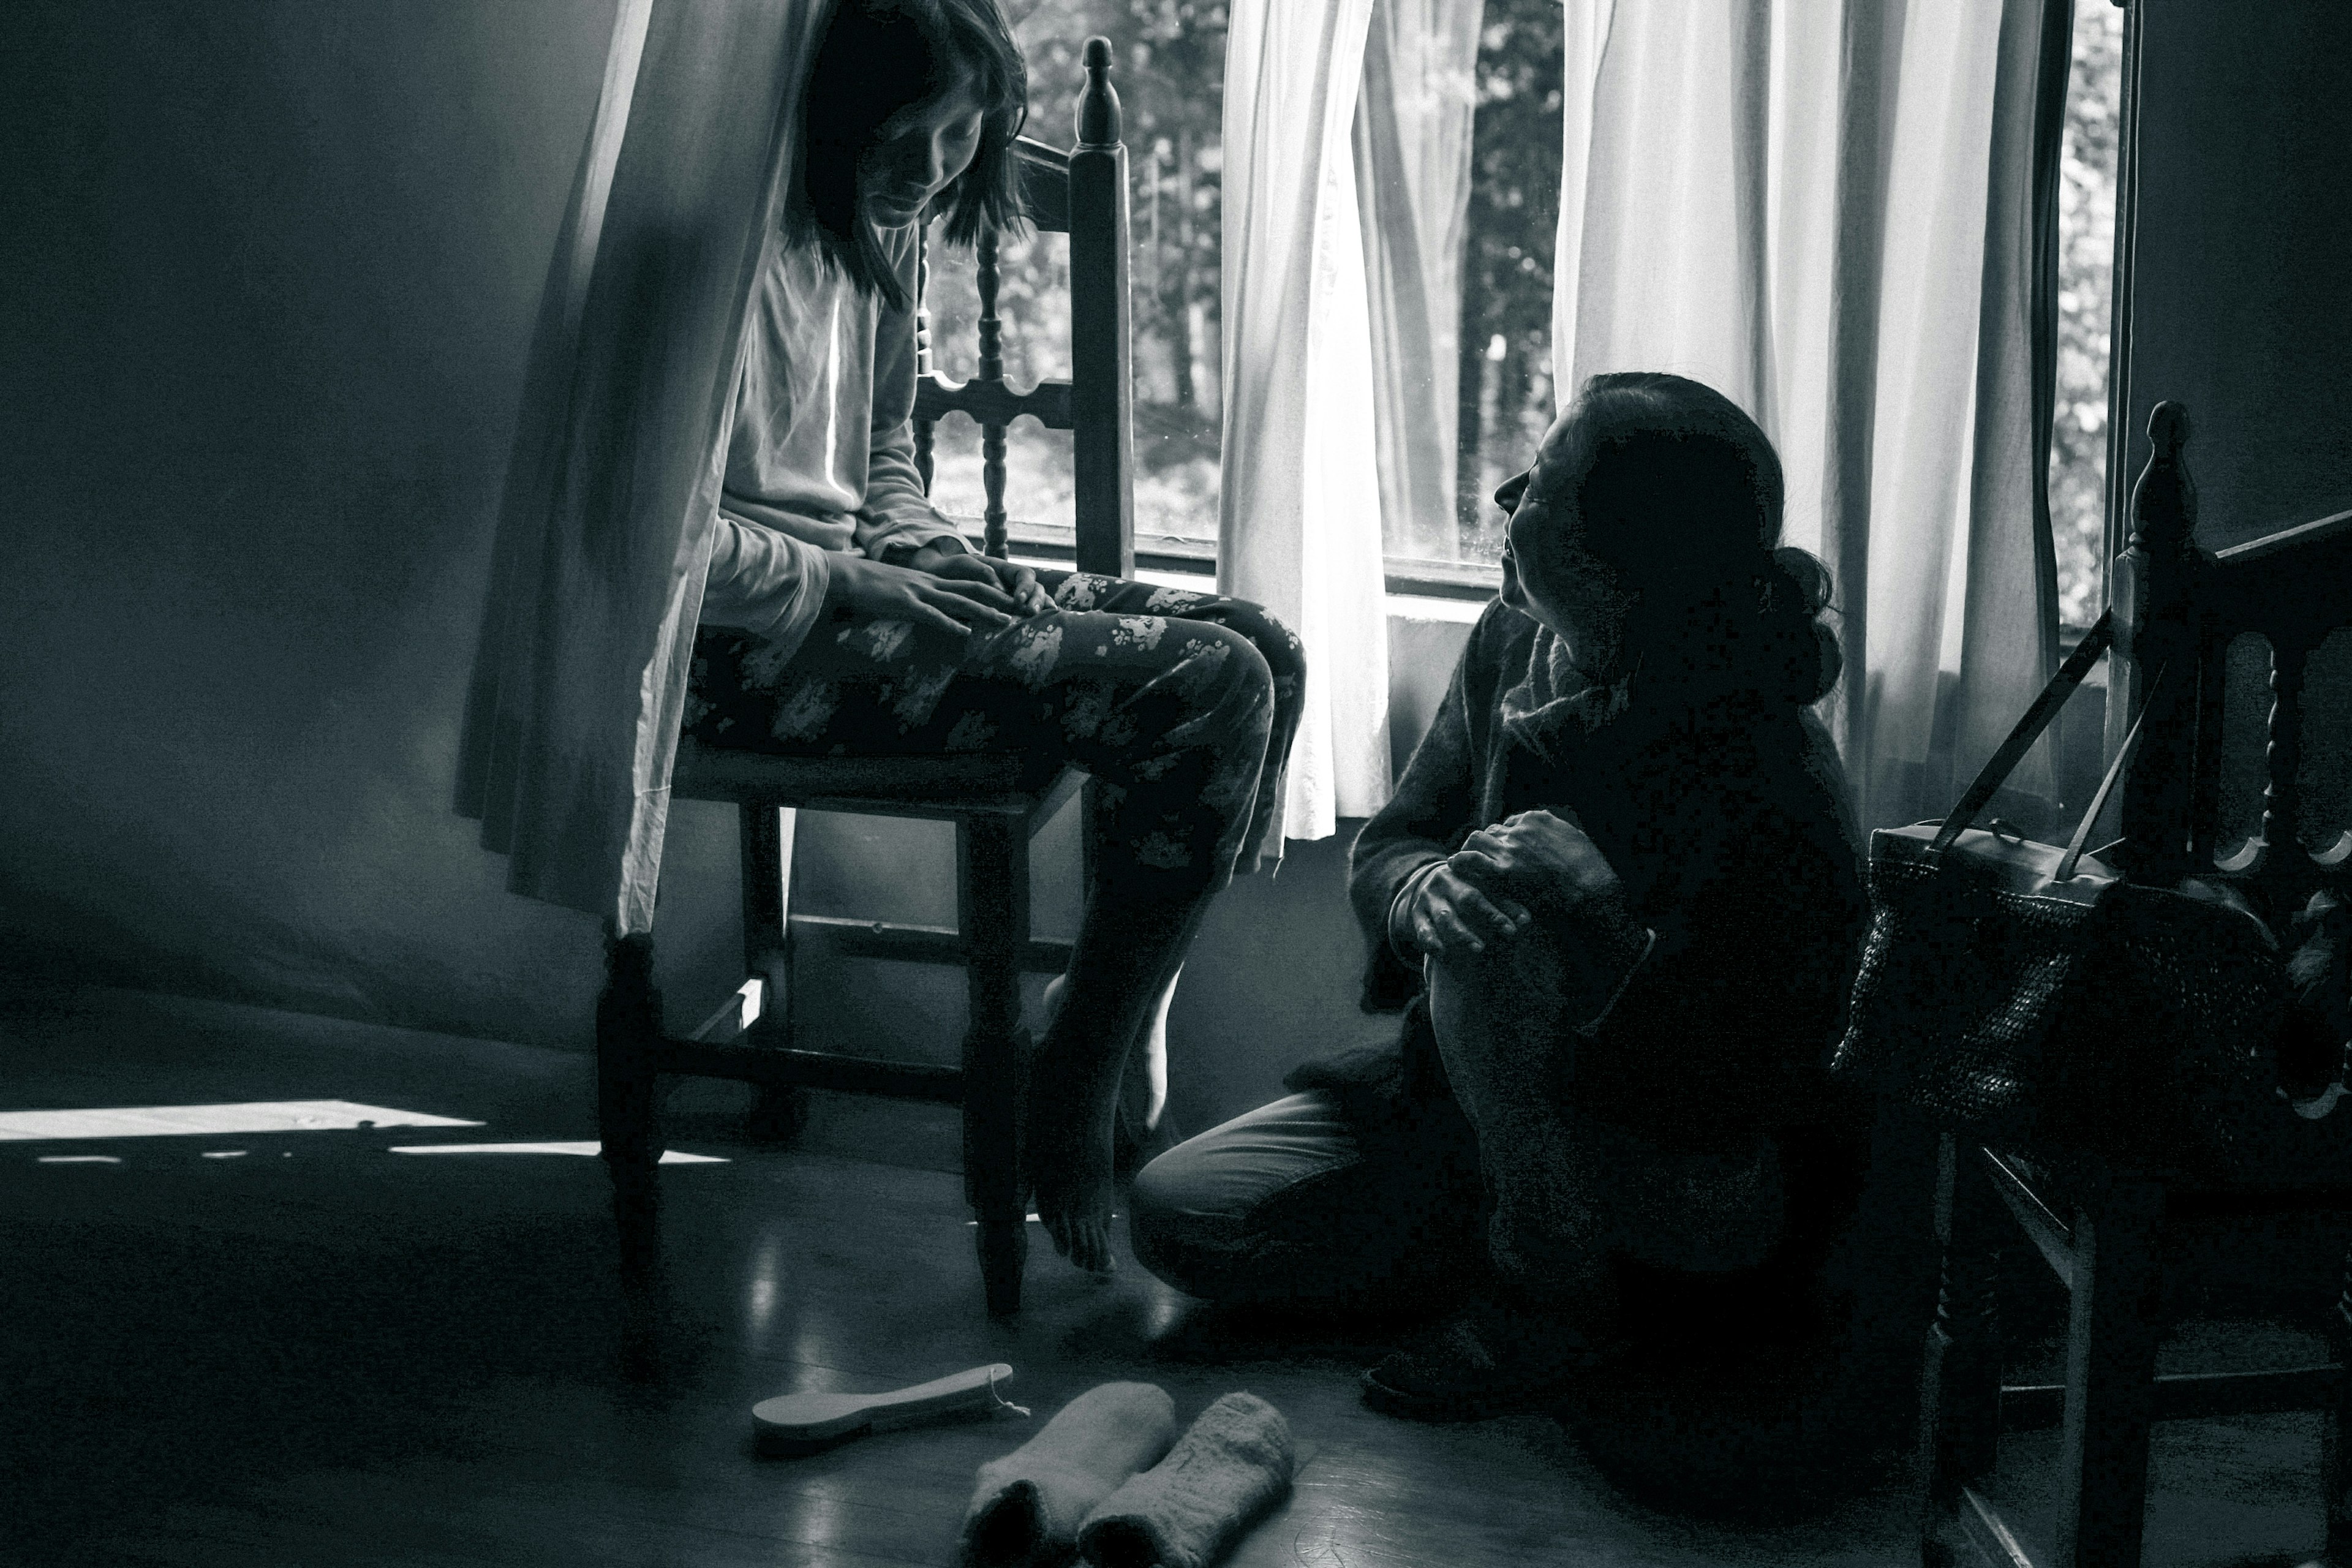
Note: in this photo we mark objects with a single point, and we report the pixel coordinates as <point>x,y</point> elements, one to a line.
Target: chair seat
<point>991,785</point>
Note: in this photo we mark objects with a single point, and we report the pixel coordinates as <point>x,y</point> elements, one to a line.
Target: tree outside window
<point>2086,247</point>
<point>1169,70</point>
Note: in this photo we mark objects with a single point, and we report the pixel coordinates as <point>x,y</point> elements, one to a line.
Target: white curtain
<point>1299,513</point>
<point>1412,169</point>
<point>1827,212</point>
<point>604,534</point>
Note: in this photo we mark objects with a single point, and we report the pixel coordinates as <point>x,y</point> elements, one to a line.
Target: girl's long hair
<point>876,59</point>
<point>1679,491</point>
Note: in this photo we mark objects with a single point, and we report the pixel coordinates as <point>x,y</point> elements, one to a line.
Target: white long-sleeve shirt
<point>821,461</point>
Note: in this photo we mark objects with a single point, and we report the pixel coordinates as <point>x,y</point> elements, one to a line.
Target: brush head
<point>813,1418</point>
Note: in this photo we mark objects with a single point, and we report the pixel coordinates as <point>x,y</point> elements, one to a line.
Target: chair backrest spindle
<point>1082,192</point>
<point>991,372</point>
<point>2283,756</point>
<point>923,346</point>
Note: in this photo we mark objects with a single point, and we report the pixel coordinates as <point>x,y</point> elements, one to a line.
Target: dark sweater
<point>1723,811</point>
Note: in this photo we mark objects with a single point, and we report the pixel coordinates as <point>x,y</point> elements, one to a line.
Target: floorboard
<point>314,1350</point>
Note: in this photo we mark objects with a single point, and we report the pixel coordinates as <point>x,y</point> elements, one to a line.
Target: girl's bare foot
<point>1070,1116</point>
<point>1067,1150</point>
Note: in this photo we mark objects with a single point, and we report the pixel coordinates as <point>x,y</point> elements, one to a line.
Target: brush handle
<point>962,1391</point>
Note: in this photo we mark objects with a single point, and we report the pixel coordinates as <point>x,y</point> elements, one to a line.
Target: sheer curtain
<point>1831,213</point>
<point>604,534</point>
<point>1299,511</point>
<point>1412,168</point>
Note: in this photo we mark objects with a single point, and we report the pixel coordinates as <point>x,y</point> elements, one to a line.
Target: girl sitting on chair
<point>1620,884</point>
<point>851,619</point>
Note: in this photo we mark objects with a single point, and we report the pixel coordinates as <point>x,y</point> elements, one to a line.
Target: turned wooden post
<point>2110,1376</point>
<point>2154,599</point>
<point>1101,396</point>
<point>991,373</point>
<point>993,917</point>
<point>1959,1395</point>
<point>628,1031</point>
<point>923,426</point>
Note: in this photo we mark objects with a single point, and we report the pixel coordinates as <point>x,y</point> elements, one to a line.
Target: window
<point>1506,392</point>
<point>1171,80</point>
<point>1171,76</point>
<point>2087,243</point>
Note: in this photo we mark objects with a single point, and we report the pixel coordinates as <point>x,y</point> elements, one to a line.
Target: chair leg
<point>628,1025</point>
<point>1959,1397</point>
<point>778,1111</point>
<point>2336,1431</point>
<point>993,899</point>
<point>2110,1377</point>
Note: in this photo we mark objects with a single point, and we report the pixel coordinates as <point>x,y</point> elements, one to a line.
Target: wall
<point>272,269</point>
<point>2240,309</point>
<point>271,273</point>
<point>2242,269</point>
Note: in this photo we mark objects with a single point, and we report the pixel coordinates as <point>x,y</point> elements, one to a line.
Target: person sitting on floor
<point>845,616</point>
<point>1620,886</point>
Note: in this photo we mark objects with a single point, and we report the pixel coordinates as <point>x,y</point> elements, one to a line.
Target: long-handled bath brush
<point>794,1421</point>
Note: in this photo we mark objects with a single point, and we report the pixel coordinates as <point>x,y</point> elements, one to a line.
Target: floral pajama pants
<point>1181,705</point>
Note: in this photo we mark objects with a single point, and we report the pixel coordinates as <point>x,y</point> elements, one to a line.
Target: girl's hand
<point>961,565</point>
<point>955,605</point>
<point>1447,914</point>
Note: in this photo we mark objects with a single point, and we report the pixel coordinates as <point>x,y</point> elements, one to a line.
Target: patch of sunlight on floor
<point>212,1121</point>
<point>669,1156</point>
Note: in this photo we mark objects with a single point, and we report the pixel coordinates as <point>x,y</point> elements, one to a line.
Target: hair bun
<point>1793,592</point>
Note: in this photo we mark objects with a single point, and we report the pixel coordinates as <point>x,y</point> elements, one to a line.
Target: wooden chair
<point>996,802</point>
<point>2096,1224</point>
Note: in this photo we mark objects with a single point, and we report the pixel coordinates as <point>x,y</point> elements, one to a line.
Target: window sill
<point>1460,582</point>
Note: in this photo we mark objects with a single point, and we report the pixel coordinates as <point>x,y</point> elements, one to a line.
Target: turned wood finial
<point>1098,124</point>
<point>2164,499</point>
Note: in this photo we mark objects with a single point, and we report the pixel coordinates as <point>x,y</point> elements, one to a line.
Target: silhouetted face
<point>1550,575</point>
<point>919,152</point>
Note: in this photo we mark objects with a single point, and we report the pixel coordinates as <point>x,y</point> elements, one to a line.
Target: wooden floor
<point>301,1347</point>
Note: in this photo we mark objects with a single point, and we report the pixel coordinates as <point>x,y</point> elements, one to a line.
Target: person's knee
<point>1164,1212</point>
<point>1285,655</point>
<point>1228,679</point>
<point>1523,972</point>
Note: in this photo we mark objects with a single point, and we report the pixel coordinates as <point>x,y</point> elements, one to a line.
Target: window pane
<point>1170,75</point>
<point>2087,243</point>
<point>1506,392</point>
<point>1033,303</point>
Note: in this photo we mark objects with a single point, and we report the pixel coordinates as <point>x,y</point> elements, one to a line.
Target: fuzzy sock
<point>1027,1506</point>
<point>1235,1463</point>
<point>1504,1023</point>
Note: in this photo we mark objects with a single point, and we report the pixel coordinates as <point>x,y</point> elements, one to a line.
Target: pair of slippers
<point>1109,1480</point>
